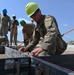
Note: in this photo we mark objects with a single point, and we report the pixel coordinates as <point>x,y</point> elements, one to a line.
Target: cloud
<point>65,25</point>
<point>19,28</point>
<point>27,21</point>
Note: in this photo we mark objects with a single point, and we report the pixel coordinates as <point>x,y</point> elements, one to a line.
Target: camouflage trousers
<point>13,37</point>
<point>4,30</point>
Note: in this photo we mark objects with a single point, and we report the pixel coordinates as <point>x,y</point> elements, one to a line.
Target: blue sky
<point>62,10</point>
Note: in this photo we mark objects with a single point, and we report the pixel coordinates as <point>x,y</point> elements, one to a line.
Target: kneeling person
<point>27,31</point>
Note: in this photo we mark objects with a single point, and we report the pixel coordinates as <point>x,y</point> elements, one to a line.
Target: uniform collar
<point>41,22</point>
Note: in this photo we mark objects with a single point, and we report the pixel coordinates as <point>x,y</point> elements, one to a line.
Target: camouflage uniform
<point>48,30</point>
<point>28,30</point>
<point>0,22</point>
<point>4,28</point>
<point>13,33</point>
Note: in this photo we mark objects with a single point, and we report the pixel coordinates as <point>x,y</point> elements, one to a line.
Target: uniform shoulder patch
<point>47,21</point>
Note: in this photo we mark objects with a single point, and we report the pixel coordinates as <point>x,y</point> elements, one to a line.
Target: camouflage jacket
<point>48,30</point>
<point>28,30</point>
<point>14,24</point>
<point>5,21</point>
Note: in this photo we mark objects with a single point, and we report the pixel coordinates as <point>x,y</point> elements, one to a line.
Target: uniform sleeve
<point>34,42</point>
<point>52,31</point>
<point>9,22</point>
<point>17,23</point>
<point>23,31</point>
<point>32,26</point>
